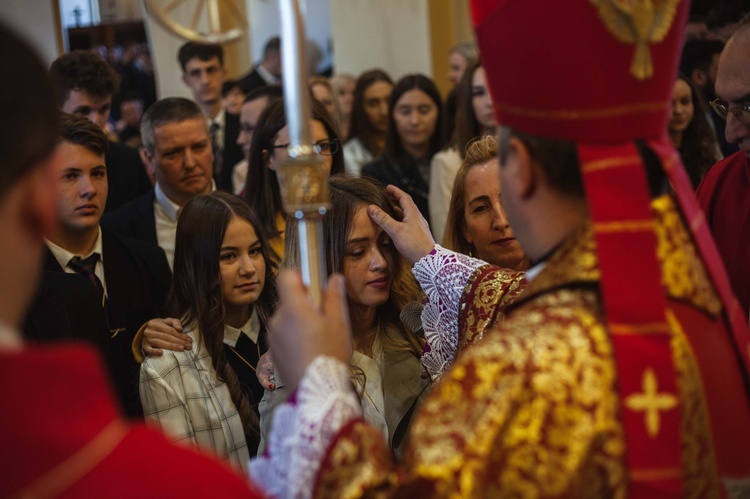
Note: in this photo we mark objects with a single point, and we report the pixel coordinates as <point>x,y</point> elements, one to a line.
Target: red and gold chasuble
<point>535,409</point>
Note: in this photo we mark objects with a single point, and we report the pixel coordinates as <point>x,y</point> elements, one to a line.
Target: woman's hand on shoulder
<point>164,334</point>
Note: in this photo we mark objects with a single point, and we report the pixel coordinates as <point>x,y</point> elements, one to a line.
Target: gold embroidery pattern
<point>487,293</point>
<point>682,270</point>
<point>639,22</point>
<point>624,226</point>
<point>683,273</point>
<point>359,461</point>
<point>533,408</point>
<point>697,447</point>
<point>651,402</point>
<point>537,403</point>
<point>610,163</point>
<point>602,113</point>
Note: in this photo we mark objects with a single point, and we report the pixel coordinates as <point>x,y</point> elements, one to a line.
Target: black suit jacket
<point>67,308</point>
<point>137,277</point>
<point>126,177</point>
<point>251,81</point>
<point>232,151</point>
<point>135,220</point>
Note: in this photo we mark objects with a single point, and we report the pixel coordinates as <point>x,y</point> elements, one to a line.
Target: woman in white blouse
<point>386,369</point>
<point>222,272</point>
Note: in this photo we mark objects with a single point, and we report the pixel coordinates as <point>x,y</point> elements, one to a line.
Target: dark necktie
<point>87,268</point>
<point>215,131</point>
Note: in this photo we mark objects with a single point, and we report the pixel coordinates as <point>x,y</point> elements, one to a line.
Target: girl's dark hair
<point>196,287</point>
<point>262,190</point>
<point>360,126</point>
<point>348,196</point>
<point>468,127</point>
<point>393,148</point>
<point>698,146</point>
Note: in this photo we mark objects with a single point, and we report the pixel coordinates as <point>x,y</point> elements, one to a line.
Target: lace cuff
<point>302,432</point>
<point>443,275</point>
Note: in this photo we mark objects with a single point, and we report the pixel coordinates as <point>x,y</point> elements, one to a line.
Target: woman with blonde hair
<point>477,225</point>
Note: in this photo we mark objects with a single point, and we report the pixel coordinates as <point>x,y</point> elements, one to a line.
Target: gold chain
<point>243,359</point>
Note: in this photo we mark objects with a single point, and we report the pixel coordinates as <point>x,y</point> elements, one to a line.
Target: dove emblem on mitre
<point>640,22</point>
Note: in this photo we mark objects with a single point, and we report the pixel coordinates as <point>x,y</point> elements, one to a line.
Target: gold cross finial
<point>650,401</point>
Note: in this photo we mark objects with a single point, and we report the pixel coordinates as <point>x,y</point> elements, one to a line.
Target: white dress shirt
<point>166,213</point>
<point>220,120</point>
<point>64,257</point>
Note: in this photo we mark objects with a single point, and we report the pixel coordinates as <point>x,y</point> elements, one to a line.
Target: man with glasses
<point>253,106</point>
<point>724,194</point>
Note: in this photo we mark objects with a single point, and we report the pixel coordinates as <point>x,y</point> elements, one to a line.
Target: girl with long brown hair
<point>386,369</point>
<point>224,291</point>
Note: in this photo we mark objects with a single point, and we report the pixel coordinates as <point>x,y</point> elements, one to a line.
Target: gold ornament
<point>160,10</point>
<point>650,401</point>
<point>640,22</point>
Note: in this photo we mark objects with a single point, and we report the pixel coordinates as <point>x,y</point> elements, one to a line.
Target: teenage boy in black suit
<point>204,72</point>
<point>130,277</point>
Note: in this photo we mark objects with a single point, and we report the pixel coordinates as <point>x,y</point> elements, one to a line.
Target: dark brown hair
<point>360,127</point>
<point>468,127</point>
<point>84,71</point>
<point>393,148</point>
<point>698,145</point>
<point>82,132</point>
<point>348,196</point>
<point>196,288</point>
<point>201,51</point>
<point>262,190</point>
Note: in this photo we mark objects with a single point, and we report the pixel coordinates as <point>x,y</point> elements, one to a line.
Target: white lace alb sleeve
<point>303,430</point>
<point>443,275</point>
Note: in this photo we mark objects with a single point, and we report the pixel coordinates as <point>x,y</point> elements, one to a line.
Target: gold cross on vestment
<point>650,401</point>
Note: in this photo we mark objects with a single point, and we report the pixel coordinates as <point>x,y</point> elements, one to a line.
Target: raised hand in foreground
<point>411,236</point>
<point>301,331</point>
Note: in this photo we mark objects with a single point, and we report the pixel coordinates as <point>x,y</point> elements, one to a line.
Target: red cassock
<point>723,196</point>
<point>61,435</point>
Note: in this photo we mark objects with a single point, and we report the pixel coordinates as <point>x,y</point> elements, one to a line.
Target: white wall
<point>265,23</point>
<point>35,21</point>
<point>393,35</point>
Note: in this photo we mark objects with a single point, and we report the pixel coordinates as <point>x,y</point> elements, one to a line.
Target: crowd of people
<point>526,298</point>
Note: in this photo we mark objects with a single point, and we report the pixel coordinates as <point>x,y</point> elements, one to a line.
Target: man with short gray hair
<point>177,151</point>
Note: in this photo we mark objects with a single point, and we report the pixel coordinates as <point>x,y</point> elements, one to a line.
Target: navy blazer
<point>137,276</point>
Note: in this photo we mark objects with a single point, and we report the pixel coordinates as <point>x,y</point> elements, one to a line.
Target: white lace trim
<point>302,432</point>
<point>443,276</point>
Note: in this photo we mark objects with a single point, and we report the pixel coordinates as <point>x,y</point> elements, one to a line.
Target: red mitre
<point>579,70</point>
<point>600,73</point>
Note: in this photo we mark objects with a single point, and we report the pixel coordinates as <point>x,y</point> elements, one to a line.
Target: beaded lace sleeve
<point>443,275</point>
<point>303,430</point>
